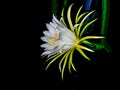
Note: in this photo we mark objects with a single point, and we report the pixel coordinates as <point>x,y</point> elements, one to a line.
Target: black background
<point>95,74</point>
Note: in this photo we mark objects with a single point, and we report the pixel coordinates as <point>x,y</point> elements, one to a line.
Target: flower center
<point>56,37</point>
<point>52,40</point>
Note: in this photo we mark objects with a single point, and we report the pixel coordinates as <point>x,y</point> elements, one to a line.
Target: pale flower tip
<point>42,55</point>
<point>76,25</point>
<point>60,70</point>
<point>46,24</point>
<point>89,59</point>
<point>43,39</point>
<point>53,15</point>
<point>42,45</point>
<point>92,51</point>
<point>101,37</point>
<point>46,67</point>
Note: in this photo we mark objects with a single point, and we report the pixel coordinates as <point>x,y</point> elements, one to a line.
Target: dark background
<point>95,74</point>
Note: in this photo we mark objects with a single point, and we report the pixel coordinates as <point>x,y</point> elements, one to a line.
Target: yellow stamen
<point>51,42</point>
<point>56,36</point>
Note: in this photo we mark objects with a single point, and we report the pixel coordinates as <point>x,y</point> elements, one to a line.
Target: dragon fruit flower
<point>61,40</point>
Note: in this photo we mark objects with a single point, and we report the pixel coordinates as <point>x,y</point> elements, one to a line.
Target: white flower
<point>58,38</point>
<point>63,41</point>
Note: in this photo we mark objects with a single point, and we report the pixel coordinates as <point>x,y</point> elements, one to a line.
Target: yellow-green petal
<point>69,17</point>
<point>85,48</point>
<point>64,64</point>
<point>86,26</point>
<point>82,53</point>
<point>81,23</point>
<point>91,37</point>
<point>54,59</point>
<point>76,19</point>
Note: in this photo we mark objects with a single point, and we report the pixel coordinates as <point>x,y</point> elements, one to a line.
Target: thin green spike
<point>90,37</point>
<point>69,62</point>
<point>73,66</point>
<point>52,57</point>
<point>63,20</point>
<point>85,48</point>
<point>81,23</point>
<point>76,19</point>
<point>55,59</point>
<point>64,64</point>
<point>86,26</point>
<point>69,17</point>
<point>82,53</point>
<point>61,61</point>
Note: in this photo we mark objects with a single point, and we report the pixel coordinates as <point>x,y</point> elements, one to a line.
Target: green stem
<point>105,19</point>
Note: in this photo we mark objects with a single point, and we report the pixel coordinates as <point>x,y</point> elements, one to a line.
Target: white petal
<point>57,21</point>
<point>47,33</point>
<point>67,47</point>
<point>53,25</point>
<point>66,31</point>
<point>67,38</point>
<point>61,19</point>
<point>44,39</point>
<point>47,46</point>
<point>52,53</point>
<point>51,29</point>
<point>46,53</point>
<point>60,48</point>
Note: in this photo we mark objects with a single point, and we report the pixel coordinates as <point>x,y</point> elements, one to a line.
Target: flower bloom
<point>62,40</point>
<point>58,38</point>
